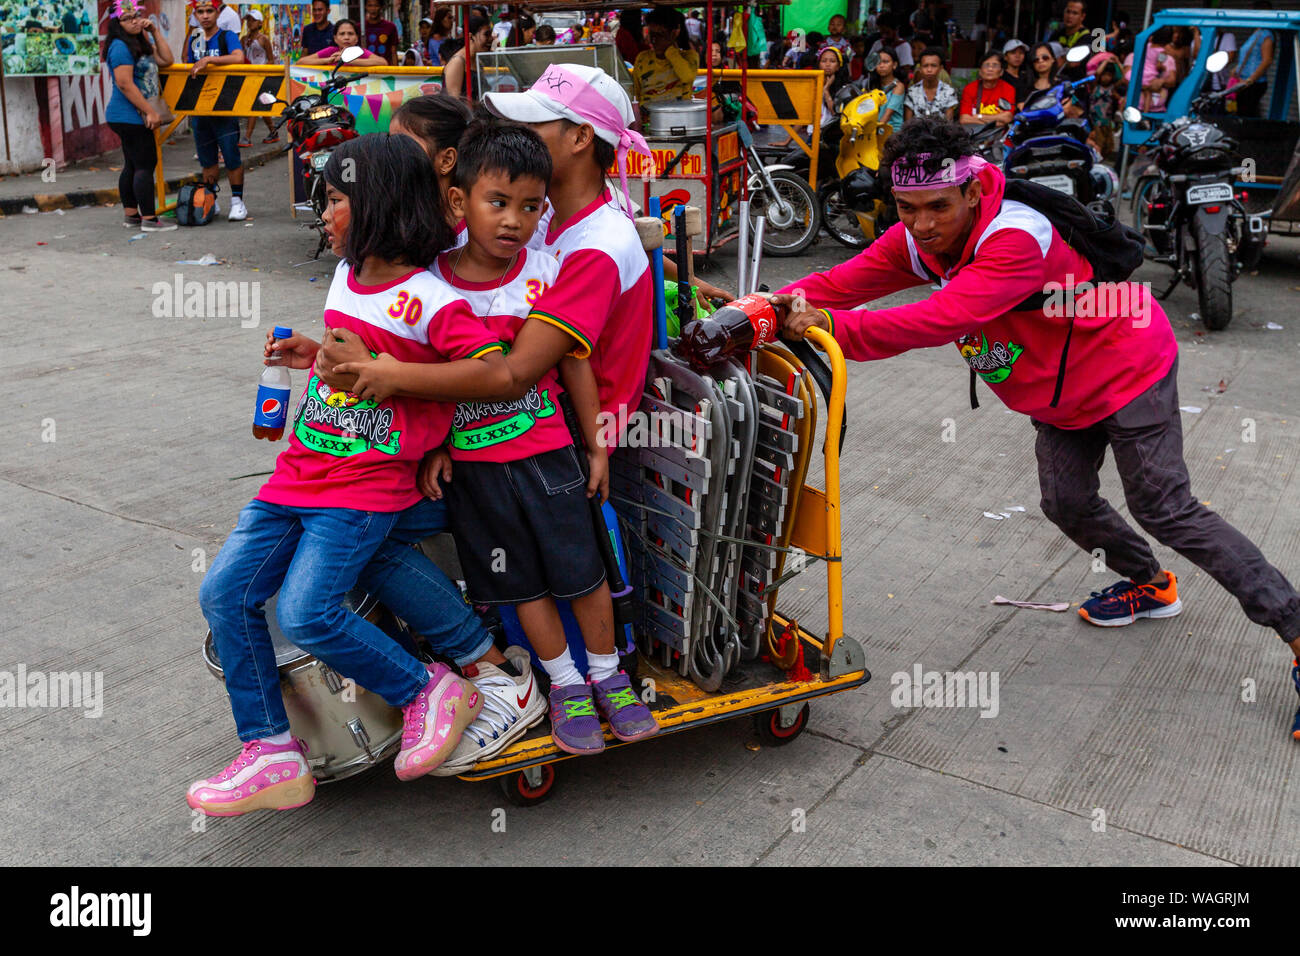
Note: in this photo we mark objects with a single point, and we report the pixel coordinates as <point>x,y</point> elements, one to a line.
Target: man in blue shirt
<point>318,34</point>
<point>207,46</point>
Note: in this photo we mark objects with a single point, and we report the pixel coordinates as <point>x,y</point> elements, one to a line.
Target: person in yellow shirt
<point>667,70</point>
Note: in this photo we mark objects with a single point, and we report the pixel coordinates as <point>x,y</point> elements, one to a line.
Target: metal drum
<point>677,118</point>
<point>347,729</point>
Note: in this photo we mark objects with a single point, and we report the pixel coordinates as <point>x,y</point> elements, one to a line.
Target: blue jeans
<point>313,557</point>
<point>416,590</point>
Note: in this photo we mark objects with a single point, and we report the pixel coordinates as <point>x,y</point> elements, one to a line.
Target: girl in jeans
<point>135,50</point>
<point>344,484</point>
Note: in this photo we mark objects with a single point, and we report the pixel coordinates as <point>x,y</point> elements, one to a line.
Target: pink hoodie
<point>1013,253</point>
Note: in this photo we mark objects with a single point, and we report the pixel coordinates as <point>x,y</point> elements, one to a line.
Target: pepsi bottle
<point>273,396</point>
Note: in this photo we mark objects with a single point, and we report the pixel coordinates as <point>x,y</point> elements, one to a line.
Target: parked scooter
<point>779,193</point>
<point>857,204</point>
<point>1188,207</point>
<point>1045,146</point>
<point>316,128</point>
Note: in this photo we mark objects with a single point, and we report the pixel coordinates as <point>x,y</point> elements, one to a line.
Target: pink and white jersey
<point>347,453</point>
<point>603,298</point>
<point>507,431</point>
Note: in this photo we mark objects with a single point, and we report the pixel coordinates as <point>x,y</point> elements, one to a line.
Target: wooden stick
<point>694,227</point>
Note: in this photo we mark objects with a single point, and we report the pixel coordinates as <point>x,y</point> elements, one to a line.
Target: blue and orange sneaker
<point>1295,677</point>
<point>1124,602</point>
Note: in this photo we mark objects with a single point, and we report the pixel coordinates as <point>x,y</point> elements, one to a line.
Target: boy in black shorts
<point>517,501</point>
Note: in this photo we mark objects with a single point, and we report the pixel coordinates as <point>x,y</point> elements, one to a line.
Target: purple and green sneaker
<point>575,725</point>
<point>628,717</point>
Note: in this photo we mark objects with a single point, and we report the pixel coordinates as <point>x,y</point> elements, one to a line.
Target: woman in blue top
<point>886,78</point>
<point>1253,60</point>
<point>135,50</point>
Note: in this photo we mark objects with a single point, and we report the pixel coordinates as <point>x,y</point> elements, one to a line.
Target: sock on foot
<point>601,666</point>
<point>279,740</point>
<point>237,192</point>
<point>561,670</point>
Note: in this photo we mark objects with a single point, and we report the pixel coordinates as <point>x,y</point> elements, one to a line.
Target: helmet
<point>860,189</point>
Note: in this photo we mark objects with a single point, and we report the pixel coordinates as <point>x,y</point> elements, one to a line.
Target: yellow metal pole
<point>831,448</point>
<point>816,134</point>
<point>159,177</point>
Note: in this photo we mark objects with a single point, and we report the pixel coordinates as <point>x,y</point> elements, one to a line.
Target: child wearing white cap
<point>257,47</point>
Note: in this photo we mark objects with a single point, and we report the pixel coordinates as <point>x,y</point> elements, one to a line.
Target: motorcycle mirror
<point>1078,53</point>
<point>1132,114</point>
<point>351,53</point>
<point>1217,61</point>
<point>266,99</point>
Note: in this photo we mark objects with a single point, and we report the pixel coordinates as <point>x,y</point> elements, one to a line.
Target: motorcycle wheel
<point>786,238</point>
<point>1142,193</point>
<point>1213,279</point>
<point>841,221</point>
<point>317,199</point>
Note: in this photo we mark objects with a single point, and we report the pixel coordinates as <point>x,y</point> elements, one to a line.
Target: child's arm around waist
<point>479,378</point>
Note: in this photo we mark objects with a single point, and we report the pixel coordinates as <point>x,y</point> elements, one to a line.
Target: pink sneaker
<point>264,776</point>
<point>434,721</point>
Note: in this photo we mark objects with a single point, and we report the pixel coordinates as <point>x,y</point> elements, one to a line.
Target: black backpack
<point>196,204</point>
<point>1113,249</point>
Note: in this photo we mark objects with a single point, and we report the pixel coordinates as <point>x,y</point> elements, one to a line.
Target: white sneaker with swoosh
<point>511,705</point>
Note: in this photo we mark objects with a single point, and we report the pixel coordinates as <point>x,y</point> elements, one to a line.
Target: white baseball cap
<point>535,106</point>
<point>1014,45</point>
<point>255,14</point>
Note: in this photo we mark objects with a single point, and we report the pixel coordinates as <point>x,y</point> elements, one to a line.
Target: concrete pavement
<point>1164,743</point>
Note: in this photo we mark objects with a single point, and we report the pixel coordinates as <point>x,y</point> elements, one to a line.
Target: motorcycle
<point>1045,146</point>
<point>1188,208</point>
<point>317,127</point>
<point>857,204</point>
<point>777,191</point>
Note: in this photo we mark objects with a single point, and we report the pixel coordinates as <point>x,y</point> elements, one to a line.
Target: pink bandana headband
<point>909,173</point>
<point>579,97</point>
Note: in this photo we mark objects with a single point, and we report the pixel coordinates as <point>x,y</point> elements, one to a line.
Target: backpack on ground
<point>196,204</point>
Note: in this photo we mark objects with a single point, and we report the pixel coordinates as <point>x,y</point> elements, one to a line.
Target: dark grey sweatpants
<point>1146,438</point>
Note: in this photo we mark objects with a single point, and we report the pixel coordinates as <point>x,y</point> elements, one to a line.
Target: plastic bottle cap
<point>281,332</point>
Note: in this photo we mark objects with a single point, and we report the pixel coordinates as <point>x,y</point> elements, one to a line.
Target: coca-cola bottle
<point>737,327</point>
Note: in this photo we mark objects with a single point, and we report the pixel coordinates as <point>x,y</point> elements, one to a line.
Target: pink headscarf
<point>578,96</point>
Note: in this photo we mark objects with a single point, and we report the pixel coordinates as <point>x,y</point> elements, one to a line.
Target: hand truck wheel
<point>776,729</point>
<point>523,792</point>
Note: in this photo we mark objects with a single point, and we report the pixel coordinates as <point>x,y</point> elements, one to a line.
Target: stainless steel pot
<point>677,117</point>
